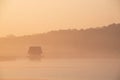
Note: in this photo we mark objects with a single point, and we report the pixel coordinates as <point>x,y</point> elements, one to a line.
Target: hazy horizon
<point>26,17</point>
<point>59,40</point>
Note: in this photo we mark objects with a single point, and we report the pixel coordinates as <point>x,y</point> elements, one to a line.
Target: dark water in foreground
<point>61,69</point>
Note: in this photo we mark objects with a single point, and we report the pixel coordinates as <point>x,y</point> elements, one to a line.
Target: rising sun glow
<point>22,17</point>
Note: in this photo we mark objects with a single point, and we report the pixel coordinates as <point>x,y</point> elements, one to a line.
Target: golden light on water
<point>67,54</point>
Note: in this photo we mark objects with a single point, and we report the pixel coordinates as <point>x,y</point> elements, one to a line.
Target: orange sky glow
<point>24,17</point>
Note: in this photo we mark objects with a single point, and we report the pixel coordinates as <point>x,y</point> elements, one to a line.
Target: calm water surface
<point>61,69</point>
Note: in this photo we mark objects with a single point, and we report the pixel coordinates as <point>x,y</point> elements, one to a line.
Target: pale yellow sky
<point>21,17</point>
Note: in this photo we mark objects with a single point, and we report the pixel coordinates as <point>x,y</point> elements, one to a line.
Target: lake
<point>61,69</point>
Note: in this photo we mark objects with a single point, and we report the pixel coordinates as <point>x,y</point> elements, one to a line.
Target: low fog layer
<point>92,42</point>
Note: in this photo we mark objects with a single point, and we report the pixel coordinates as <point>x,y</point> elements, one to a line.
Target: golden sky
<point>22,17</point>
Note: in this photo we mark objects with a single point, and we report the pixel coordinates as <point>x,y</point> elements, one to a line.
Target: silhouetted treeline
<point>100,42</point>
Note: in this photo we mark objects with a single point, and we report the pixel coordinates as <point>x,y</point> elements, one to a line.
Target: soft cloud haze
<point>34,16</point>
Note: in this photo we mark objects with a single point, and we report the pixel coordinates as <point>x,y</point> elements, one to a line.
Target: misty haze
<point>67,54</point>
<point>59,40</point>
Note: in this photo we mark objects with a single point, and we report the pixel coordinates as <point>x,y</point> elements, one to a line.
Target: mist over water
<point>61,69</point>
<point>91,54</point>
<point>86,54</point>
